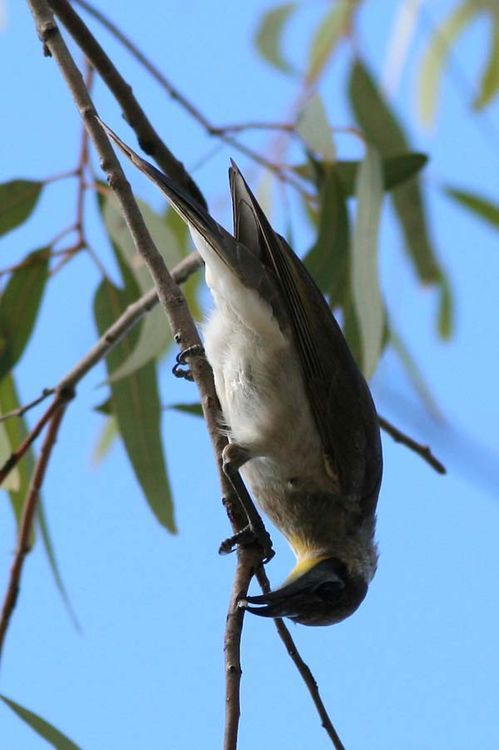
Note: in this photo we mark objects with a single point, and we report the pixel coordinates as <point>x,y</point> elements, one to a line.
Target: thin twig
<point>28,516</point>
<point>122,325</point>
<point>21,410</point>
<point>149,139</point>
<point>169,294</point>
<point>246,564</point>
<point>422,450</point>
<point>173,92</point>
<point>303,668</point>
<point>20,451</point>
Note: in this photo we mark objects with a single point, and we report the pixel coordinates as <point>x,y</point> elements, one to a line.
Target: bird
<point>302,426</point>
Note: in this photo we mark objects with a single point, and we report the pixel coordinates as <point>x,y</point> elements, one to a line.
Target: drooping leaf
<point>328,34</point>
<point>19,305</point>
<point>365,273</point>
<point>18,198</point>
<point>54,566</point>
<point>47,731</point>
<point>383,130</point>
<point>414,373</point>
<point>108,435</point>
<point>182,236</point>
<point>446,311</point>
<point>136,406</point>
<point>477,204</point>
<point>489,84</point>
<point>314,129</point>
<point>396,170</point>
<point>15,430</point>
<point>154,336</point>
<point>328,259</point>
<point>195,409</point>
<point>268,37</point>
<point>351,331</point>
<point>436,55</point>
<point>12,481</point>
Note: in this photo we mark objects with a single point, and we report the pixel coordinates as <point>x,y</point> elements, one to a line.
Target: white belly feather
<point>259,384</point>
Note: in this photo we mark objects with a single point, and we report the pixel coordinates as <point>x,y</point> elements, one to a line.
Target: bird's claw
<point>247,536</point>
<point>178,368</point>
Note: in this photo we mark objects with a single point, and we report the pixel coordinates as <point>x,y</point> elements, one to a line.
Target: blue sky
<point>417,665</point>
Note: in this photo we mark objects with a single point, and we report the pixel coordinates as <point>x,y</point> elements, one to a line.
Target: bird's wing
<point>339,397</point>
<point>241,259</point>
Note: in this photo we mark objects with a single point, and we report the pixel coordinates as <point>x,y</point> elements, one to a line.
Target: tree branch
<point>28,514</point>
<point>114,81</point>
<point>170,296</point>
<point>302,667</point>
<point>148,138</point>
<point>122,325</point>
<point>422,450</point>
<point>246,565</point>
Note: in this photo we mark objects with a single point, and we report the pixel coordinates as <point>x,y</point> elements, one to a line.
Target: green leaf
<point>328,259</point>
<point>19,307</point>
<point>436,55</point>
<point>414,373</point>
<point>365,275</point>
<point>137,409</point>
<point>269,35</point>
<point>383,130</point>
<point>182,235</point>
<point>108,435</point>
<point>154,336</point>
<point>18,198</point>
<point>489,85</point>
<point>53,564</point>
<point>332,27</point>
<point>314,129</point>
<point>15,431</point>
<point>45,730</point>
<point>12,481</point>
<point>445,313</point>
<point>195,409</point>
<point>477,204</point>
<point>396,170</point>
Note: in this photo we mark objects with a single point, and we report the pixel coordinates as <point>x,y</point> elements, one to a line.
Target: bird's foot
<point>249,535</point>
<point>181,368</point>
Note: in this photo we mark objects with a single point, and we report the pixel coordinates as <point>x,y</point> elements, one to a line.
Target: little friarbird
<point>302,426</point>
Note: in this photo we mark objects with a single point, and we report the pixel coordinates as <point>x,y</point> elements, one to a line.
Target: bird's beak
<point>291,599</point>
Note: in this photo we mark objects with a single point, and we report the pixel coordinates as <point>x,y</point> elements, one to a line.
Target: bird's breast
<point>260,386</point>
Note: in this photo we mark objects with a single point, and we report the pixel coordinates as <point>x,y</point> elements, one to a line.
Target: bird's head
<point>322,593</point>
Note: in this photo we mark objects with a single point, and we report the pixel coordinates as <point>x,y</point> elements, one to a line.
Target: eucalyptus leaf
<point>47,731</point>
<point>365,273</point>
<point>18,199</point>
<point>154,336</point>
<point>489,84</point>
<point>268,37</point>
<point>382,129</point>
<point>19,306</point>
<point>477,204</point>
<point>328,34</point>
<point>436,55</point>
<point>314,129</point>
<point>136,406</point>
<point>328,259</point>
<point>396,170</point>
<point>107,437</point>
<point>195,409</point>
<point>14,432</point>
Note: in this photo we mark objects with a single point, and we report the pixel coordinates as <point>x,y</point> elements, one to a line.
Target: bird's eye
<point>329,591</point>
